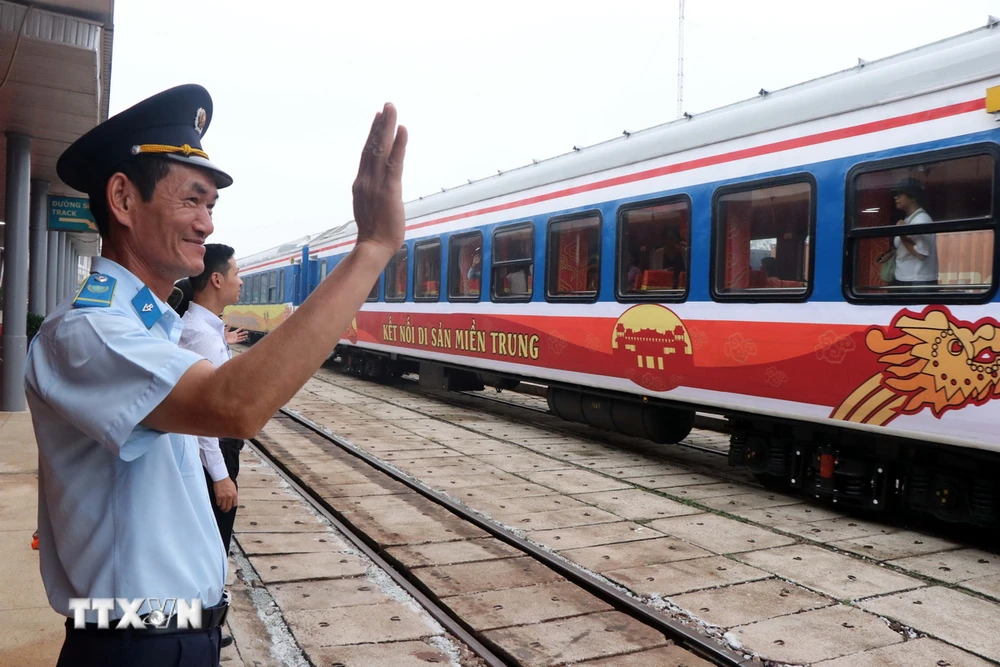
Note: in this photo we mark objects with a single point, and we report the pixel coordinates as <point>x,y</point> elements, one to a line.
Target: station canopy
<point>55,74</point>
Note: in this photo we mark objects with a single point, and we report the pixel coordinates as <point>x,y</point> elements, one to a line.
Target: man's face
<point>902,200</point>
<point>230,283</point>
<point>172,227</point>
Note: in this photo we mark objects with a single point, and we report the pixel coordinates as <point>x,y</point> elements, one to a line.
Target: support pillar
<point>52,274</point>
<point>68,266</point>
<point>60,266</point>
<point>39,247</point>
<point>74,274</point>
<point>15,279</point>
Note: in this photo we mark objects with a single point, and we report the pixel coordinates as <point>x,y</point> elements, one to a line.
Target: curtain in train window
<point>395,276</point>
<point>513,262</point>
<point>763,240</point>
<point>465,266</point>
<point>954,257</point>
<point>427,270</point>
<point>272,287</point>
<point>574,257</point>
<point>653,250</point>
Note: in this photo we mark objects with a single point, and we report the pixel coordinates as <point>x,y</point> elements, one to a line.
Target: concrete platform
<point>33,632</point>
<point>273,624</point>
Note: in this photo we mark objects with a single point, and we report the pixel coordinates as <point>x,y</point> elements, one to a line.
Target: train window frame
<point>852,233</point>
<point>272,284</point>
<point>375,291</point>
<point>416,248</point>
<point>452,247</point>
<point>494,264</point>
<point>281,285</point>
<point>761,295</point>
<point>406,276</point>
<point>573,298</point>
<point>655,296</point>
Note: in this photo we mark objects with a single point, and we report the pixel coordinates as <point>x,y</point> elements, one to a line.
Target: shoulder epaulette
<point>96,292</point>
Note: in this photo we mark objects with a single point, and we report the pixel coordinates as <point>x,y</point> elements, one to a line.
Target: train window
<point>272,287</point>
<point>324,268</point>
<point>574,257</point>
<point>427,271</point>
<point>953,201</point>
<point>762,238</point>
<point>281,285</point>
<point>513,262</point>
<point>395,276</point>
<point>465,266</point>
<point>653,250</point>
<point>373,294</point>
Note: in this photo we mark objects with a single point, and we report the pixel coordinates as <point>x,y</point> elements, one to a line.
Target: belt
<point>211,618</point>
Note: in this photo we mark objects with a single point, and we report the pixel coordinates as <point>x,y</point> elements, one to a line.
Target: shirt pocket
<point>185,450</point>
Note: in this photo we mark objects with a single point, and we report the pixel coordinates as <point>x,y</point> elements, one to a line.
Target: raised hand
<point>378,189</point>
<point>237,336</point>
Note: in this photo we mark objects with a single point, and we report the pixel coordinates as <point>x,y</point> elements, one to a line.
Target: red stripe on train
<point>712,160</point>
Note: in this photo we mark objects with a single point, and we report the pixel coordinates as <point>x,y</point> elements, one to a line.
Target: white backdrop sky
<point>480,86</point>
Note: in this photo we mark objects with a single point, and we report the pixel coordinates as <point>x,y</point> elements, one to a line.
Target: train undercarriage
<point>848,468</point>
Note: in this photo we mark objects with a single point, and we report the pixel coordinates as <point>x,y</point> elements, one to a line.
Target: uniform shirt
<point>909,267</point>
<point>123,510</point>
<point>205,334</point>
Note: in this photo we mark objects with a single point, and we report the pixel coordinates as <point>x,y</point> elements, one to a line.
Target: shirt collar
<point>207,316</point>
<point>130,285</point>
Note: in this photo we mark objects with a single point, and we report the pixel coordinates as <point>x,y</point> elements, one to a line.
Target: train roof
<point>966,58</point>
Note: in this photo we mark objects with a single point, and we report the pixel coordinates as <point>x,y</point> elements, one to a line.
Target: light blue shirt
<point>123,510</point>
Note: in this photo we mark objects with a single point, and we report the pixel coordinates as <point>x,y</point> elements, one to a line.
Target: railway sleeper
<point>864,472</point>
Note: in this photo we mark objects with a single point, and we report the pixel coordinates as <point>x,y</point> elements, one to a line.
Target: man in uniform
<point>123,509</point>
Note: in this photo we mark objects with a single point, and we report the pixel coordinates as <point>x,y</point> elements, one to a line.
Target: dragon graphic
<point>932,360</point>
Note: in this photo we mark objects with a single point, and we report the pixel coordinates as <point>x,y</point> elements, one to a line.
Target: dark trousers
<point>138,648</point>
<point>231,454</point>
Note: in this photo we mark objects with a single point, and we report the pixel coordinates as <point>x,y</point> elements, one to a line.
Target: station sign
<point>70,214</point>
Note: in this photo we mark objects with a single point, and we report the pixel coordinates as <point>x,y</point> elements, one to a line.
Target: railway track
<point>770,576</point>
<point>495,649</point>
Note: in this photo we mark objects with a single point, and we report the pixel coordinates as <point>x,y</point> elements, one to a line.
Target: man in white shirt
<point>204,332</point>
<point>916,254</point>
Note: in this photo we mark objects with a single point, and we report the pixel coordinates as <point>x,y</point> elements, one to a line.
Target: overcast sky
<point>480,86</point>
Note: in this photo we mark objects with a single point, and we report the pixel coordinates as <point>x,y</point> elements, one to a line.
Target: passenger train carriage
<point>734,262</point>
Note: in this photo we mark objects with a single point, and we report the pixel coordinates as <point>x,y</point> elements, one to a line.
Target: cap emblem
<point>199,120</point>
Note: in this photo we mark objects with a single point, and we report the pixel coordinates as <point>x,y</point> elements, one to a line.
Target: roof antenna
<point>626,133</point>
<point>992,21</point>
<point>862,62</point>
<point>763,93</point>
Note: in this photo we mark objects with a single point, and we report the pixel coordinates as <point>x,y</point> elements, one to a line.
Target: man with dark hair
<point>125,520</point>
<point>916,254</point>
<point>204,332</point>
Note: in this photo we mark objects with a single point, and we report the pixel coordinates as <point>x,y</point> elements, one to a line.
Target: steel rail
<point>680,634</point>
<point>437,612</point>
